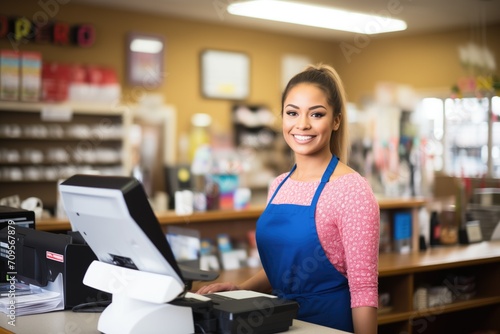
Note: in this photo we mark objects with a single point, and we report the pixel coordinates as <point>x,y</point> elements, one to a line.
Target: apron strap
<point>282,182</point>
<point>324,180</point>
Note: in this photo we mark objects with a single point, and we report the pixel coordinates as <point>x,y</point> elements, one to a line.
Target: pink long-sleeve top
<point>347,222</point>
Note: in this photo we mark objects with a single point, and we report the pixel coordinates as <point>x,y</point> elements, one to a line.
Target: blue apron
<point>296,264</point>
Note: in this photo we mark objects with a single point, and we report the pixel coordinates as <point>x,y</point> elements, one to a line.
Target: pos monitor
<point>135,263</point>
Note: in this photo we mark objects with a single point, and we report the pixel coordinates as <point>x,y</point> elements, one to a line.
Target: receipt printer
<point>40,257</point>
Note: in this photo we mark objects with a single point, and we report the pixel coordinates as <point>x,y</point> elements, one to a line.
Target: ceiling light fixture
<point>317,16</point>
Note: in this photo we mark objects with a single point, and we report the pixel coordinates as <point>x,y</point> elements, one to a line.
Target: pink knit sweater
<point>347,221</point>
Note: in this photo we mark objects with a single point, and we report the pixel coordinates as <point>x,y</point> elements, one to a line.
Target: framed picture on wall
<point>225,74</point>
<point>145,60</point>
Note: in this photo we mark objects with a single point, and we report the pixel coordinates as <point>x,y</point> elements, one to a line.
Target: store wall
<point>184,42</point>
<point>428,61</point>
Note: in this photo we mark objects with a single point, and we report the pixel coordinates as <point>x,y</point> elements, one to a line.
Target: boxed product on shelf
<point>67,82</point>
<point>402,231</point>
<point>31,76</point>
<point>93,83</point>
<point>55,78</point>
<point>79,83</point>
<point>9,75</point>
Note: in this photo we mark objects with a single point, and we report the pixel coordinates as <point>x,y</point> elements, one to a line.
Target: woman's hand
<point>217,287</point>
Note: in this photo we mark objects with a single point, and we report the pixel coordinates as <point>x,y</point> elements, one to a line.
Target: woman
<point>318,236</point>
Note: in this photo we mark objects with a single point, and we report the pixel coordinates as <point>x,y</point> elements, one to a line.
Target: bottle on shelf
<point>435,230</point>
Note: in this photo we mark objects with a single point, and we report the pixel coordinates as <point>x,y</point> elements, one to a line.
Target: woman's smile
<point>303,138</point>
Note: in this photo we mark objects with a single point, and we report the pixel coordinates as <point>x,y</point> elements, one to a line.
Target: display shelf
<point>397,273</point>
<point>61,139</point>
<point>401,274</point>
<point>236,223</point>
<point>229,216</point>
<point>46,142</point>
<point>50,163</point>
<point>170,217</point>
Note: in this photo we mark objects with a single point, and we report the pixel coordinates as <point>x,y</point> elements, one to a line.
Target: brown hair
<point>328,80</point>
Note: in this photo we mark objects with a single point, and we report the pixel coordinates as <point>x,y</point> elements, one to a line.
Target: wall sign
<point>225,74</point>
<point>145,60</point>
<point>20,29</point>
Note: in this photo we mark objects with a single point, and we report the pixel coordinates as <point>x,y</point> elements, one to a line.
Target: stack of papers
<point>30,301</point>
<point>22,299</point>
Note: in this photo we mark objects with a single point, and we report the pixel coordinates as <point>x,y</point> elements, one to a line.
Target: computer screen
<point>113,215</point>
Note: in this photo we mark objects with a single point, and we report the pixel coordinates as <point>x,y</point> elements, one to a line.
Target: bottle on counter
<point>435,230</point>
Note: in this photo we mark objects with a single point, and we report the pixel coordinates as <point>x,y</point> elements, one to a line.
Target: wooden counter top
<point>400,203</point>
<point>441,257</point>
<point>252,213</point>
<point>391,264</point>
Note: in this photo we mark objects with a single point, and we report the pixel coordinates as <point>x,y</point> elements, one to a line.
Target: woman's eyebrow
<point>317,106</point>
<point>310,108</point>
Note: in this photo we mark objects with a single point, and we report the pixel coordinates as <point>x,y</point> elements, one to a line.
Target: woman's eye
<point>317,115</point>
<point>291,113</point>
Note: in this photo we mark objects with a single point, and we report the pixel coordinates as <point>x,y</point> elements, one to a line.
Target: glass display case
<point>464,135</point>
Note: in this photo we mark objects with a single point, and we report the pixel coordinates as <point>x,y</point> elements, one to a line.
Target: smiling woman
<point>321,97</point>
<point>316,244</point>
<point>308,120</point>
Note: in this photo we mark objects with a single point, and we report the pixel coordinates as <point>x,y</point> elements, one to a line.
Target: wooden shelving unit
<point>399,274</point>
<point>236,223</point>
<point>45,142</point>
<point>402,274</point>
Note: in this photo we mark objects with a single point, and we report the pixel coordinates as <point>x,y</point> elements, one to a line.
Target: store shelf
<point>401,274</point>
<point>210,217</point>
<point>45,142</point>
<point>398,273</point>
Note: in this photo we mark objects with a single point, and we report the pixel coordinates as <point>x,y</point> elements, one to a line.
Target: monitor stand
<point>139,301</point>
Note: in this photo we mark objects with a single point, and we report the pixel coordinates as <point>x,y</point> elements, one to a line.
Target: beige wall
<point>184,42</point>
<point>425,61</point>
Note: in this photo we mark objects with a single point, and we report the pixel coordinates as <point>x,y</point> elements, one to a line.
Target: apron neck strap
<point>324,180</point>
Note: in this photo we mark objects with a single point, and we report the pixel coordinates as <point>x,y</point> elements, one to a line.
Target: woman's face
<point>308,120</point>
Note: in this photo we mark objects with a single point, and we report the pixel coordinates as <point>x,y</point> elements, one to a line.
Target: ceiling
<point>421,16</point>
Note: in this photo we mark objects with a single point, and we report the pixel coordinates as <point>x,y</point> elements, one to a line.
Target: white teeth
<point>302,137</point>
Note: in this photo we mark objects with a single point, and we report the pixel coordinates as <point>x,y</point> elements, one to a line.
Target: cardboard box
<point>55,81</point>
<point>9,75</point>
<point>31,76</point>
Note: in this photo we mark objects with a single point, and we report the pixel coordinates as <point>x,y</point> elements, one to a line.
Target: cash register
<point>135,264</point>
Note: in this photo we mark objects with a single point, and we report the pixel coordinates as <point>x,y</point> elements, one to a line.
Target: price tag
<point>56,114</point>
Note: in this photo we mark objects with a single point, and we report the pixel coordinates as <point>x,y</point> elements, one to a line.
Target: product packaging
<point>9,75</point>
<point>31,76</point>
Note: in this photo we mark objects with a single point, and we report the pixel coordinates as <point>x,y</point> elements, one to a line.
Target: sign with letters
<point>21,30</point>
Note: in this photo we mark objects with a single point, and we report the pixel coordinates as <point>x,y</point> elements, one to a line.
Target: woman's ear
<point>336,121</point>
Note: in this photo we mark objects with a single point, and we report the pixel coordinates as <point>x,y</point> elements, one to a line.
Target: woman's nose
<point>302,123</point>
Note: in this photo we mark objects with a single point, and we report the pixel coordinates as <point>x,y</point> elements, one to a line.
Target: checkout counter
<point>145,280</point>
<point>86,323</point>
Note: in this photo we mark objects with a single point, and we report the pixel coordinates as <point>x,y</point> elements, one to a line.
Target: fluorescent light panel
<point>316,16</point>
<point>146,45</point>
